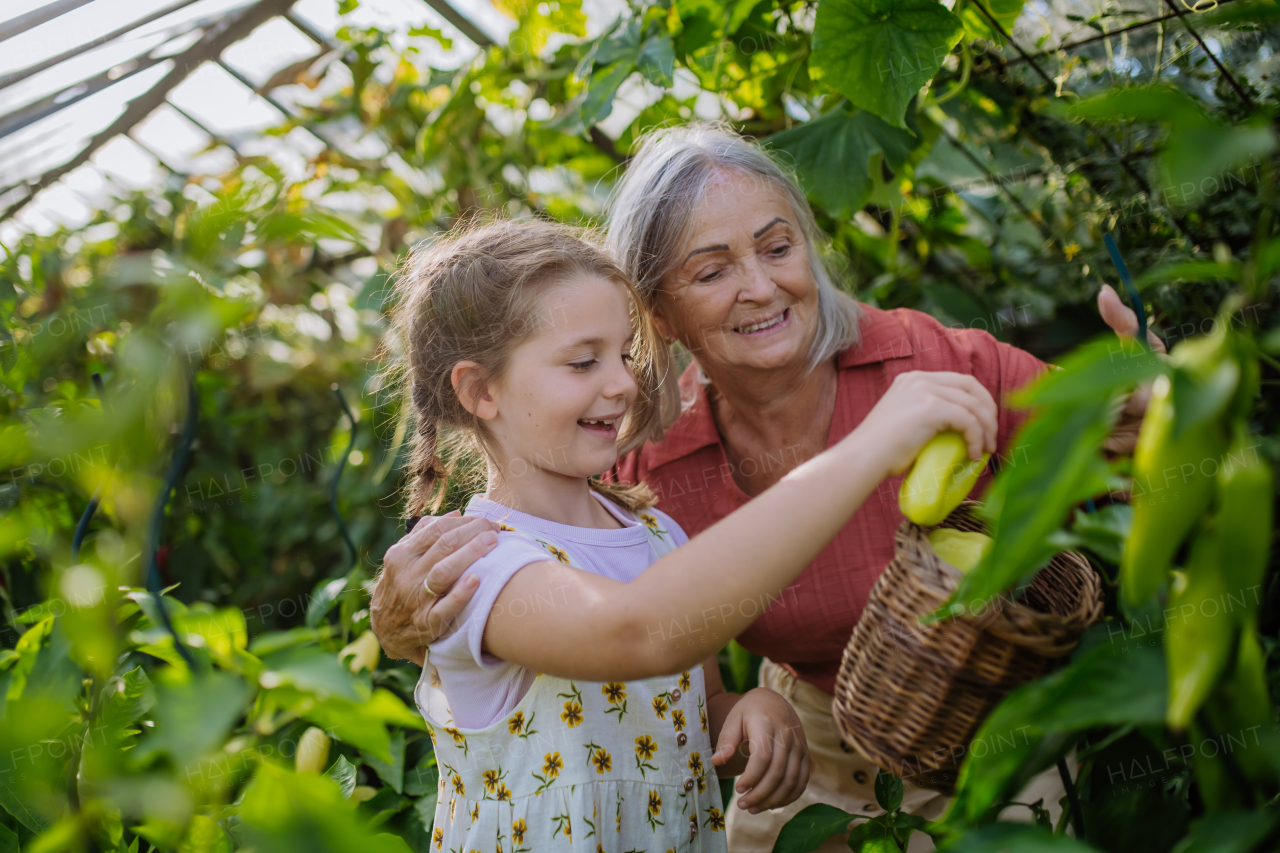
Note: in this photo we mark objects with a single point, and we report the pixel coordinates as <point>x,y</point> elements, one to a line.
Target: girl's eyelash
<point>582,365</point>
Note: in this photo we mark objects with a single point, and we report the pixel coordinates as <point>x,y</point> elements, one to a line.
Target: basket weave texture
<point>909,697</point>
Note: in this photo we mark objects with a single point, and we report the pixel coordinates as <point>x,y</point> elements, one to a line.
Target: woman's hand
<point>404,616</point>
<point>1120,317</point>
<point>919,405</point>
<point>778,770</point>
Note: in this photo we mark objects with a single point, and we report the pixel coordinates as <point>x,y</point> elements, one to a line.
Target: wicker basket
<point>909,697</point>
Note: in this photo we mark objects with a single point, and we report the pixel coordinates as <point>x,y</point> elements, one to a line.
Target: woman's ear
<point>663,328</point>
<point>468,383</point>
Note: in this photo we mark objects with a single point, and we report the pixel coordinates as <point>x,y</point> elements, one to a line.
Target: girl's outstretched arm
<point>600,629</point>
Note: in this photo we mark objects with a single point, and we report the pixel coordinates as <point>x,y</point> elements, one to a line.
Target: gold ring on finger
<point>431,593</point>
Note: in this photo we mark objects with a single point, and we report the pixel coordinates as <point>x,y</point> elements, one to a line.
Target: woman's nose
<point>756,284</point>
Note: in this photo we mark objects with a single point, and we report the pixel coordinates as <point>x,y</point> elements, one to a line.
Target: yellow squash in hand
<point>941,478</point>
<point>963,549</point>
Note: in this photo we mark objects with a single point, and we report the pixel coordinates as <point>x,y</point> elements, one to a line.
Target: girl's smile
<point>605,427</point>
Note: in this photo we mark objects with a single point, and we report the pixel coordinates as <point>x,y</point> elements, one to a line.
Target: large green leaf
<point>878,53</point>
<point>8,840</point>
<point>832,156</point>
<point>811,827</point>
<point>1036,723</point>
<point>977,26</point>
<point>1229,832</point>
<point>1009,837</point>
<point>391,772</point>
<point>193,715</point>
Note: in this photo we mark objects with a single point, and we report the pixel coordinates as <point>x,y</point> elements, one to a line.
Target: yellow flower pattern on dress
<point>507,527</point>
<point>616,693</point>
<point>486,804</point>
<point>654,811</point>
<point>559,553</point>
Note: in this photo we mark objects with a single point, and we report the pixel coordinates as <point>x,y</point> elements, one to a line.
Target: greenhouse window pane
<point>181,144</point>
<point>127,163</point>
<point>73,126</point>
<point>271,47</point>
<point>223,104</point>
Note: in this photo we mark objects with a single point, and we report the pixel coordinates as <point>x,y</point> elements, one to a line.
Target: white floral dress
<point>613,767</point>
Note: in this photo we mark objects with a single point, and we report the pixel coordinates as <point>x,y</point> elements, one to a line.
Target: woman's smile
<point>758,328</point>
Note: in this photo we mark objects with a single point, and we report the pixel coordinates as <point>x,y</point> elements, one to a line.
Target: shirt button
<point>675,695</point>
<point>688,784</point>
<point>693,828</point>
<point>682,739</point>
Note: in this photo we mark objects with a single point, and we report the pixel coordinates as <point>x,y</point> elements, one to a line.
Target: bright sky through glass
<point>48,117</point>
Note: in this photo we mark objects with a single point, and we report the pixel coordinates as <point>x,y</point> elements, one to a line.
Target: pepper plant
<point>168,652</point>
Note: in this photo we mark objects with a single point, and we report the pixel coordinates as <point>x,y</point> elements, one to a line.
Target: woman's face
<point>742,294</point>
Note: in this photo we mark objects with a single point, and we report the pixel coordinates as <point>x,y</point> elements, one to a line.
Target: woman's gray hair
<point>650,214</point>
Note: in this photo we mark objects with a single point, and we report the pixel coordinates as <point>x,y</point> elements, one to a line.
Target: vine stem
<point>1073,799</point>
<point>342,463</point>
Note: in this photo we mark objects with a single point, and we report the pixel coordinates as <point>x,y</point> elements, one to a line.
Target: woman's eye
<point>583,365</point>
<point>711,276</point>
<point>780,251</point>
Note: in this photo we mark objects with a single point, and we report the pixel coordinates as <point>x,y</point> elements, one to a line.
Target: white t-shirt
<point>482,688</point>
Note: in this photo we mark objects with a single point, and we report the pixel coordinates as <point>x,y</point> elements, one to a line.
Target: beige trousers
<point>839,776</point>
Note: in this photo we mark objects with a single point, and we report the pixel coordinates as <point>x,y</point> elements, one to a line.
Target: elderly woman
<point>724,248</point>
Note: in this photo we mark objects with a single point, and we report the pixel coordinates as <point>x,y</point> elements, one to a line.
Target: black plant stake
<point>342,463</point>
<point>157,515</point>
<point>83,526</point>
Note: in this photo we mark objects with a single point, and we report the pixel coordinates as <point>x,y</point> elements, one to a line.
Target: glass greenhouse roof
<point>100,96</point>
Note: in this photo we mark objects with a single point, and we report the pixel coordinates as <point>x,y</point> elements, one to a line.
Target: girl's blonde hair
<point>474,296</point>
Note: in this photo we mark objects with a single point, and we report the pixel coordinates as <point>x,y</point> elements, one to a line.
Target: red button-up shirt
<point>807,627</point>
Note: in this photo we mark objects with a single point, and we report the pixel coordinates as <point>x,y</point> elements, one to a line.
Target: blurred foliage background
<point>959,172</point>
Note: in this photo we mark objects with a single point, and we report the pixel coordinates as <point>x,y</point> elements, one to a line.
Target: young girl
<point>569,710</point>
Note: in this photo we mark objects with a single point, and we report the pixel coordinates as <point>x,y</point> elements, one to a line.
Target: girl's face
<point>742,294</point>
<point>562,398</point>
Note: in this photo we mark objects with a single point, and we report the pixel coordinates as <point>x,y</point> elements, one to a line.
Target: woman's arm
<point>600,629</point>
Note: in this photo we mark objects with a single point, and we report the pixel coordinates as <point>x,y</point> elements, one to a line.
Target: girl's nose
<point>619,382</point>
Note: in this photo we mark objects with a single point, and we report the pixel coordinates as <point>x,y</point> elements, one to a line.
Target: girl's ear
<point>468,383</point>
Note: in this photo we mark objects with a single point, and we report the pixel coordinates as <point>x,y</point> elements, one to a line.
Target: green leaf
<point>311,670</point>
<point>1103,532</point>
<point>1095,370</point>
<point>657,61</point>
<point>425,807</point>
<point>1159,102</point>
<point>344,773</point>
<point>811,827</point>
<point>323,597</point>
<point>1197,160</point>
<point>424,778</point>
<point>1037,723</point>
<point>958,303</point>
<point>1229,832</point>
<point>598,102</point>
<point>888,790</point>
<point>874,836</point>
<point>1188,271</point>
<point>8,840</point>
<point>204,835</point>
<point>976,25</point>
<point>878,53</point>
<point>1005,837</point>
<point>193,715</point>
<point>391,772</point>
<point>832,156</point>
<point>363,724</point>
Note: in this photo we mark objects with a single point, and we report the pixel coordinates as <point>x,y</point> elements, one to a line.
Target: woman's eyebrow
<point>760,233</point>
<point>718,247</point>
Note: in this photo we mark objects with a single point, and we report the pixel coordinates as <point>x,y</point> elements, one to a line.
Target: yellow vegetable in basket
<point>960,548</point>
<point>940,479</point>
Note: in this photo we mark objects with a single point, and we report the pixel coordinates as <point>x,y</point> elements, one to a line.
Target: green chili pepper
<point>1201,632</point>
<point>1173,487</point>
<point>1246,490</point>
<point>1242,712</point>
<point>940,480</point>
<point>1217,790</point>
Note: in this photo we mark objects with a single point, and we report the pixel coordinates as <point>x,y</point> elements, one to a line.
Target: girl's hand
<point>404,616</point>
<point>778,770</point>
<point>919,405</point>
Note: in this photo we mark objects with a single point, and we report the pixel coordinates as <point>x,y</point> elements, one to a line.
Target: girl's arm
<point>599,629</point>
